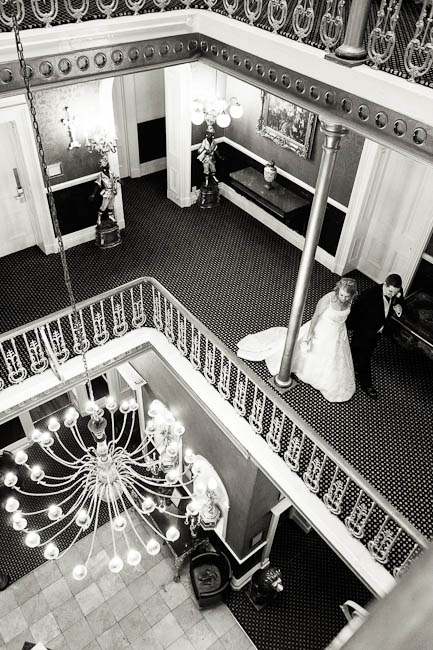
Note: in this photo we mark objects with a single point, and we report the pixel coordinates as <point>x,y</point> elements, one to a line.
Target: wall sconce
<point>69,122</point>
<point>103,144</point>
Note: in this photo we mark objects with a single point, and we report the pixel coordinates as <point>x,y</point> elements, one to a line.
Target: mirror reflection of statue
<point>106,184</point>
<point>207,153</point>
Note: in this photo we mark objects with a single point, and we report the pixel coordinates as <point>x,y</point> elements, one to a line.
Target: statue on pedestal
<point>106,183</point>
<point>208,150</point>
<point>265,586</point>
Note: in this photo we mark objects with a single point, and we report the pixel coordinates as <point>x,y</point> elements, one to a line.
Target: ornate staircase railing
<point>399,34</point>
<point>28,352</point>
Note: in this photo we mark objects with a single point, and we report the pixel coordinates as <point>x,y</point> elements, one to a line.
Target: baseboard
<point>182,202</point>
<point>265,218</point>
<point>153,166</point>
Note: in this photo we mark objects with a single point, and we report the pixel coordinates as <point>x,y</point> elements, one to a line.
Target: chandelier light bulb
<point>133,405</point>
<point>223,119</point>
<point>53,424</point>
<point>172,449</point>
<point>46,439</point>
<point>51,552</point>
<point>155,408</point>
<point>82,519</point>
<point>212,484</point>
<point>124,407</point>
<point>10,479</point>
<point>71,418</point>
<point>162,507</point>
<point>199,488</point>
<point>18,522</point>
<point>37,473</point>
<point>36,435</point>
<point>171,476</point>
<point>196,468</point>
<point>32,540</point>
<point>12,504</point>
<point>119,524</point>
<point>178,429</point>
<point>189,457</point>
<point>236,110</point>
<point>110,404</point>
<point>172,534</point>
<point>115,564</point>
<point>153,547</point>
<point>134,557</point>
<point>148,505</point>
<point>90,407</point>
<point>20,457</point>
<point>192,508</point>
<point>79,572</point>
<point>54,512</point>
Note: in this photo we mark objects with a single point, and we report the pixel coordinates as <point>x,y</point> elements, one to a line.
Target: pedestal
<point>209,195</point>
<point>107,235</point>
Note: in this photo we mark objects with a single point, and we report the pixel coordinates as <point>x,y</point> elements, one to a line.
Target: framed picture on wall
<point>287,124</point>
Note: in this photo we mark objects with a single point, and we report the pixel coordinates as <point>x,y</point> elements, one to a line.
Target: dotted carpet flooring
<point>237,276</point>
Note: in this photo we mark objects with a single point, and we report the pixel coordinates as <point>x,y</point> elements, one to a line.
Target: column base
<point>284,389</point>
<point>349,63</point>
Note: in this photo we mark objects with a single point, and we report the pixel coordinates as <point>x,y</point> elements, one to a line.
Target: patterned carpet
<point>237,276</point>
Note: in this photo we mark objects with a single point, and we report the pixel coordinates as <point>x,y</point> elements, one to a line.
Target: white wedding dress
<point>327,366</point>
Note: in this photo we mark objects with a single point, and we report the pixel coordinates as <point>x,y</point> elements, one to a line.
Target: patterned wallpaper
<point>83,103</point>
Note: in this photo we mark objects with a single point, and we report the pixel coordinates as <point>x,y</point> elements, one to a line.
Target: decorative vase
<point>270,174</point>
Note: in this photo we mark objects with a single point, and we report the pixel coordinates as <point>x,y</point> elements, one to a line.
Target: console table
<point>280,201</point>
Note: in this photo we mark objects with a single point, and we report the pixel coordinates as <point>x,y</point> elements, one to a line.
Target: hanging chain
<point>26,74</point>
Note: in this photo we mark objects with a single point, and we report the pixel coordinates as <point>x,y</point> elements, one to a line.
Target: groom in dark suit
<point>369,317</point>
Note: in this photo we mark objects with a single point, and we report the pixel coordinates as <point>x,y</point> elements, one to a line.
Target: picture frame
<point>288,125</point>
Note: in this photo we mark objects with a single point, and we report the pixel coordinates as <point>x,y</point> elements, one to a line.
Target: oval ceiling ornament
<point>135,5</point>
<point>231,6</point>
<point>6,18</point>
<point>107,8</point>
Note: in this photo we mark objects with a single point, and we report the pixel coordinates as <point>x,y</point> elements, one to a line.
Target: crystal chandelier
<point>107,472</point>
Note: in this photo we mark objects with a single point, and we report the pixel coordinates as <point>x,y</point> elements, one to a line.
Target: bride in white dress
<point>322,356</point>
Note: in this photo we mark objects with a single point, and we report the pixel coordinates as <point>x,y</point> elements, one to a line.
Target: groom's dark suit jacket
<point>367,315</point>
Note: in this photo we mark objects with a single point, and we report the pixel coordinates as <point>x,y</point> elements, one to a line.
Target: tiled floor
<point>141,608</point>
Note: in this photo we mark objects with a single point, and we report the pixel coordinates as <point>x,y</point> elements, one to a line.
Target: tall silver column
<point>352,50</point>
<point>333,134</point>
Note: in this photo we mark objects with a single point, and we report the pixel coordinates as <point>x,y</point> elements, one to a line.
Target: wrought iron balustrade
<point>390,538</point>
<point>399,34</point>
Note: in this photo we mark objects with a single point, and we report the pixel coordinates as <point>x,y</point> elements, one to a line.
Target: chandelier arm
<point>39,512</point>
<point>52,206</point>
<point>112,504</point>
<point>59,459</point>
<point>76,505</point>
<point>76,458</point>
<point>95,526</point>
<point>125,417</point>
<point>142,516</point>
<point>125,445</point>
<point>78,438</point>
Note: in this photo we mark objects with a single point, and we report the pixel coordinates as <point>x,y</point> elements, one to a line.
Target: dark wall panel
<point>151,140</point>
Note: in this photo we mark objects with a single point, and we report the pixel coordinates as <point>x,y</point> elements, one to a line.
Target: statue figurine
<point>265,586</point>
<point>206,155</point>
<point>106,183</point>
<point>270,174</point>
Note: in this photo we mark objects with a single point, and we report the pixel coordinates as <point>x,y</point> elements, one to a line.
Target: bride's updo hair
<point>349,284</point>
